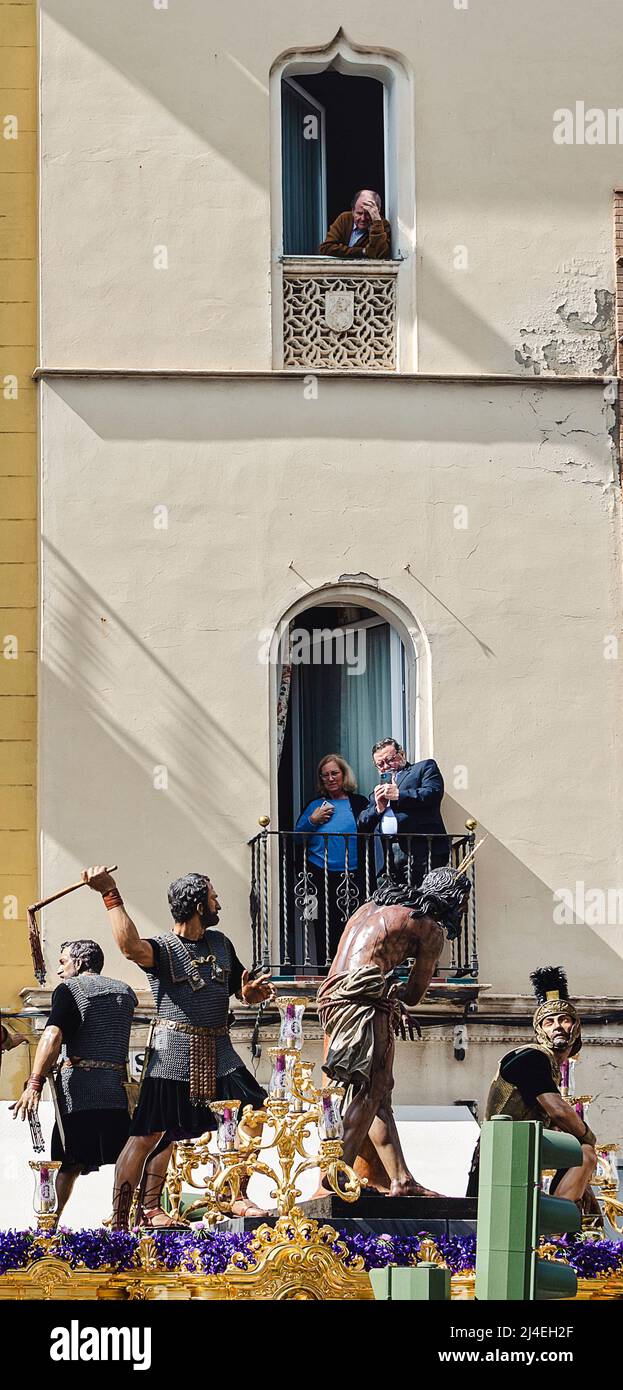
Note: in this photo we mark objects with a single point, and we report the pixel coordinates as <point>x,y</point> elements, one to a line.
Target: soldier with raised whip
<point>90,1019</point>
<point>192,970</point>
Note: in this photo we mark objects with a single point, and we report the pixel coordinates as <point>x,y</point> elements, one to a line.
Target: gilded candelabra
<point>606,1183</point>
<point>292,1106</point>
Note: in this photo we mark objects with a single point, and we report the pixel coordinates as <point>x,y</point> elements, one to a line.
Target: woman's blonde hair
<point>350,781</point>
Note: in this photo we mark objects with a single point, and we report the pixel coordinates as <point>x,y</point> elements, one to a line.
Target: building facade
<point>236,435</point>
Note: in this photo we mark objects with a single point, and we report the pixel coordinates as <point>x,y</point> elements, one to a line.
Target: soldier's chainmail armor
<point>106,1008</point>
<point>177,1001</point>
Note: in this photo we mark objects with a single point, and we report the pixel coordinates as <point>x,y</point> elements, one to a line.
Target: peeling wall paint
<point>576,332</point>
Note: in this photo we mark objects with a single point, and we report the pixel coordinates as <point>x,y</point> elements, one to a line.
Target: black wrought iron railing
<point>305,885</point>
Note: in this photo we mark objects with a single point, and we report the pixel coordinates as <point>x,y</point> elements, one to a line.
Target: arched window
<point>349,666</point>
<point>342,118</point>
<point>347,689</point>
<point>333,143</point>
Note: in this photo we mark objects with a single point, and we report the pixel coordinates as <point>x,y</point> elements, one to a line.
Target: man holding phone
<point>405,803</point>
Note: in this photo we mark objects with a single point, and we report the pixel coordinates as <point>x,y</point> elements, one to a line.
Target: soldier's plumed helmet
<point>88,955</point>
<point>184,895</point>
<point>552,994</point>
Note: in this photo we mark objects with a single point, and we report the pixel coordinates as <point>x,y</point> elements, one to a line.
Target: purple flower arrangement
<point>15,1249</point>
<point>459,1252</point>
<point>589,1258</point>
<point>118,1249</point>
<point>212,1251</point>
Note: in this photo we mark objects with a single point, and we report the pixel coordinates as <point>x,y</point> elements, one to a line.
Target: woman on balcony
<point>330,877</point>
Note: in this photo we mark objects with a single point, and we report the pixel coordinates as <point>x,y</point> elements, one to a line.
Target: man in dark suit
<point>407,803</point>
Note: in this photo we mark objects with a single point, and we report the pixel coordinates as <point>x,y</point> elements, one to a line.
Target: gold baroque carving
<point>295,1259</point>
<point>298,1259</point>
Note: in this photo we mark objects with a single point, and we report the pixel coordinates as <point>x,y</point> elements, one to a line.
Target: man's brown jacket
<point>376,244</point>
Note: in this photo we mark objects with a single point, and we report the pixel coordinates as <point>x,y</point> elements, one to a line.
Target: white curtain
<point>346,714</point>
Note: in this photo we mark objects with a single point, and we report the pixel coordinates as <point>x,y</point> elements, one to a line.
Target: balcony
<point>339,315</point>
<point>309,903</point>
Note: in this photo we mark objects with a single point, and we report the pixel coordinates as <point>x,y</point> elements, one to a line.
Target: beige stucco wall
<point>155,131</point>
<point>150,637</point>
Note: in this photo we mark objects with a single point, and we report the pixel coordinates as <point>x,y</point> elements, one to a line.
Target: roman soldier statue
<point>526,1085</point>
<point>192,970</point>
<point>90,1021</point>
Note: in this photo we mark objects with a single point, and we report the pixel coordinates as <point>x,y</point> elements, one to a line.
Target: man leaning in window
<point>360,232</point>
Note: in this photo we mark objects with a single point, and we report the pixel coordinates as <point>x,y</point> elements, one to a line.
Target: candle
<point>278,1078</point>
<point>331,1125</point>
<point>291,1031</point>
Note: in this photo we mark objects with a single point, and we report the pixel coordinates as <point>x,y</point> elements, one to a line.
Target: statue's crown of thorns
<point>443,895</point>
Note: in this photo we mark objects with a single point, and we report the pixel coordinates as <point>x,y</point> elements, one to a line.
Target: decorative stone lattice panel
<point>316,306</point>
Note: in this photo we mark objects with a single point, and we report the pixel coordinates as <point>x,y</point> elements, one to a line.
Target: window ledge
<point>316,265</point>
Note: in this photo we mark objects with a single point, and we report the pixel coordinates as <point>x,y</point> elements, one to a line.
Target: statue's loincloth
<point>347,1005</point>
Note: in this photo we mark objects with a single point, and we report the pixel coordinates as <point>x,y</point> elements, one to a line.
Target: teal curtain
<point>366,706</point>
<point>302,174</point>
<point>342,713</point>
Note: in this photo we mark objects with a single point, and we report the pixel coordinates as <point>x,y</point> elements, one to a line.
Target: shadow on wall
<point>185,71</point>
<point>516,927</point>
<point>452,318</point>
<point>202,94</point>
<point>418,412</point>
<point>191,732</point>
<point>122,809</point>
<point>119,817</point>
<point>149,792</point>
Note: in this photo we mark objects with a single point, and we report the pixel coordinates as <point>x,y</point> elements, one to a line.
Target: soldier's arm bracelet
<point>112,899</point>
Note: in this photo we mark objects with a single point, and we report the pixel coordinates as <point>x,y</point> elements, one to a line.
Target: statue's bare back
<point>386,937</point>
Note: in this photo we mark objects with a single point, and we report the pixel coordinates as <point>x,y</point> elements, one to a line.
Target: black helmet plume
<point>549,980</point>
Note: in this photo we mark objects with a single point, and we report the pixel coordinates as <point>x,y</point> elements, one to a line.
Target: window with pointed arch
<point>333,148</point>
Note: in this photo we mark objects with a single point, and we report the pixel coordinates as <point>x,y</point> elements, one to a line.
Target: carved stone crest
<point>339,309</point>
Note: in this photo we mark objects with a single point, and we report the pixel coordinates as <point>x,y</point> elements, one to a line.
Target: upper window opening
<point>333,138</point>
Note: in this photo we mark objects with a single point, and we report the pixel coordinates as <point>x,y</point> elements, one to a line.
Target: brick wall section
<point>618,260</point>
<point>618,272</point>
<point>18,499</point>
